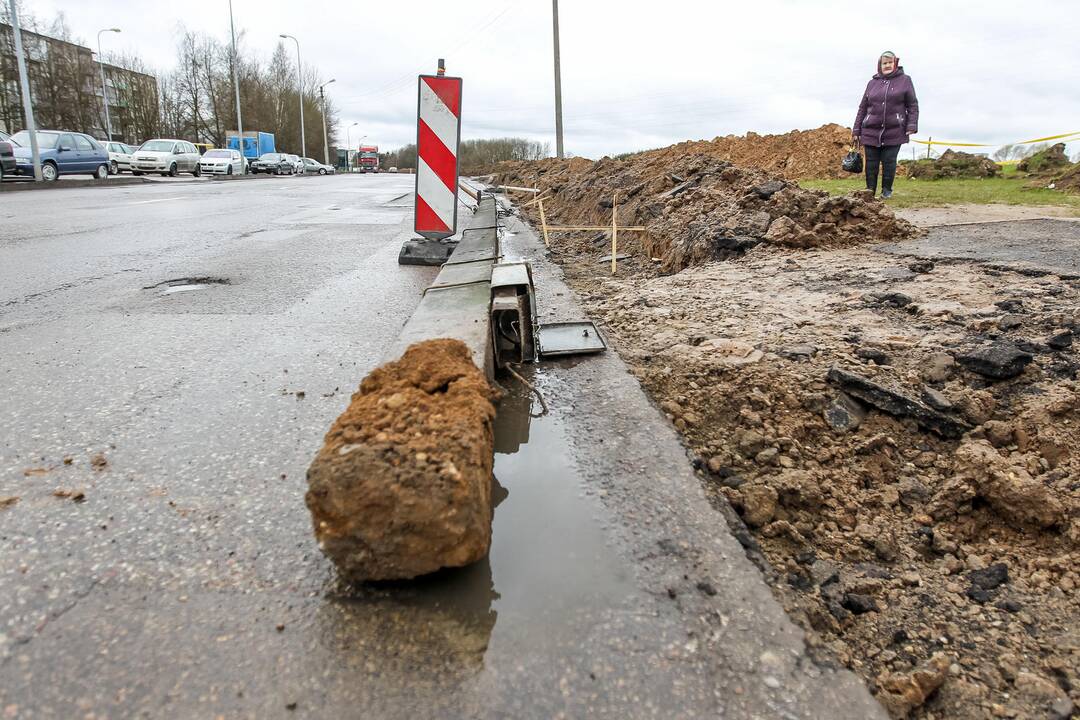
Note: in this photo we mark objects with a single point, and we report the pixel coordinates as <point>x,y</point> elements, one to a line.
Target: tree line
<point>193,100</point>
<point>475,157</point>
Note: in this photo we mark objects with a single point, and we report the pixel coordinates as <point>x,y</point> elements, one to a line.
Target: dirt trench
<point>898,438</point>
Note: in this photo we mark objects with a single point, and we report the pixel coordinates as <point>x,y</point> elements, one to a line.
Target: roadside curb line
<point>24,184</point>
<point>457,304</point>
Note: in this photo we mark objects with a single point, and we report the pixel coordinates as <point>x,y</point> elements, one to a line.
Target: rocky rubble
<point>899,437</point>
<point>696,208</point>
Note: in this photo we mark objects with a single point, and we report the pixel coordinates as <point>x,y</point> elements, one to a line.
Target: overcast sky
<point>645,74</point>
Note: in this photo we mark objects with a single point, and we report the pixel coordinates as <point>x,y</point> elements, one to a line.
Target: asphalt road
<point>170,357</point>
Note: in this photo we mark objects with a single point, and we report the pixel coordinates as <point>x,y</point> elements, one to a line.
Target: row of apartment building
<point>65,85</point>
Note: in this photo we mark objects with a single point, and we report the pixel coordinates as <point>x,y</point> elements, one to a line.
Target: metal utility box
<point>513,314</point>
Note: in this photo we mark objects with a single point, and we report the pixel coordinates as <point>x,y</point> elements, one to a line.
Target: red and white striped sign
<point>438,135</point>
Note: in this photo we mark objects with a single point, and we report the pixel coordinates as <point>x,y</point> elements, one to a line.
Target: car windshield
<point>269,157</point>
<point>45,140</point>
<point>218,154</point>
<point>158,146</point>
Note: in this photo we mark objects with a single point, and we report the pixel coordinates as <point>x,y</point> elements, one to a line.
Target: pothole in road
<point>186,284</point>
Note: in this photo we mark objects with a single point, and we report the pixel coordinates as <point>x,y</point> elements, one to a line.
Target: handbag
<point>852,162</point>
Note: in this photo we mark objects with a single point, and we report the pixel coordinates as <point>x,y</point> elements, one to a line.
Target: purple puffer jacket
<point>889,111</point>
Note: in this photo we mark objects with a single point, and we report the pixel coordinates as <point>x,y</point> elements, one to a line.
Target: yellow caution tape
<point>1051,137</point>
<point>955,144</point>
<point>1072,135</point>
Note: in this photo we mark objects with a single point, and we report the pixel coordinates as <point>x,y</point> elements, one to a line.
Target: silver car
<point>119,156</point>
<point>297,163</point>
<point>168,157</point>
<point>222,162</point>
<point>317,168</point>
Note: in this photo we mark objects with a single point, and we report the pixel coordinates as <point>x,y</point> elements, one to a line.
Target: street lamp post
<point>24,86</point>
<point>104,92</point>
<point>325,145</point>
<point>558,81</point>
<point>300,77</point>
<point>348,143</point>
<point>236,84</point>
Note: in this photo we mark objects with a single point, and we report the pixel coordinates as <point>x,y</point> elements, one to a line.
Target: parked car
<point>392,169</point>
<point>203,147</point>
<point>274,163</point>
<point>62,153</point>
<point>297,163</point>
<point>222,162</point>
<point>119,157</point>
<point>311,166</point>
<point>7,155</point>
<point>168,157</point>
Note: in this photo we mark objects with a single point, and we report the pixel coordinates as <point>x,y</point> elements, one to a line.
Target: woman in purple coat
<point>888,114</point>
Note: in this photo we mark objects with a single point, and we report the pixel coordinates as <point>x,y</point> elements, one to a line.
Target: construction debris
<point>793,155</point>
<point>696,208</point>
<point>897,434</point>
<point>402,484</point>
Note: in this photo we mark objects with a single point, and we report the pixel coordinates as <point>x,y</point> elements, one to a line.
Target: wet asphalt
<point>170,357</point>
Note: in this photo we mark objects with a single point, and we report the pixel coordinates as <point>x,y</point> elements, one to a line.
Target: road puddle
<point>549,570</point>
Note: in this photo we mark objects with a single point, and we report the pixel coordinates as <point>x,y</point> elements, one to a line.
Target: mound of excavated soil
<point>696,208</point>
<point>1070,181</point>
<point>794,155</point>
<point>953,164</point>
<point>1053,159</point>
<point>900,439</point>
<point>402,484</point>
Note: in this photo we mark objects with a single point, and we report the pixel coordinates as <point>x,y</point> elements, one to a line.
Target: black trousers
<point>885,156</point>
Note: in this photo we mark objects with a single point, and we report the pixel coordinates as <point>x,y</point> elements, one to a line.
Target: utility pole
<point>105,92</point>
<point>348,145</point>
<point>558,82</point>
<point>325,145</point>
<point>300,78</point>
<point>236,84</point>
<point>24,83</point>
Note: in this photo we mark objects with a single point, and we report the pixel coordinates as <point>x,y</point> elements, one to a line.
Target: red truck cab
<point>368,158</point>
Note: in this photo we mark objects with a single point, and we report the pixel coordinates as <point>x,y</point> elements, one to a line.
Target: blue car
<point>62,153</point>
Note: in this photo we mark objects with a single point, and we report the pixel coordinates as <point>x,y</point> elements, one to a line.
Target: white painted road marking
<point>145,202</point>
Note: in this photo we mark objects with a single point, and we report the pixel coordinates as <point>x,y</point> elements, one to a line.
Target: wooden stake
<point>614,231</point>
<point>543,221</point>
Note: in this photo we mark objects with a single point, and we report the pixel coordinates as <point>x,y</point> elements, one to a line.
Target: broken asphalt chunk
<point>896,403</point>
<point>1000,360</point>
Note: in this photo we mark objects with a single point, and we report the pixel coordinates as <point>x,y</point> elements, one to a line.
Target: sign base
<point>422,251</point>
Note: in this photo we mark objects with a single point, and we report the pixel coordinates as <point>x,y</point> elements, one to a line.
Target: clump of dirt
<point>402,484</point>
<point>1069,181</point>
<point>899,438</point>
<point>953,164</point>
<point>795,155</point>
<point>696,208</point>
<point>1049,161</point>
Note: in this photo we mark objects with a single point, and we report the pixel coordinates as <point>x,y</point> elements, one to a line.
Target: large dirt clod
<point>402,484</point>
